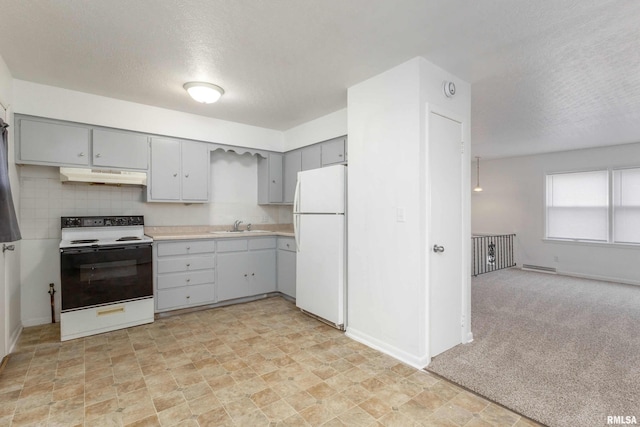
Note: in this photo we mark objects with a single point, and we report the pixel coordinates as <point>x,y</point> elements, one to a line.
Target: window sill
<point>590,243</point>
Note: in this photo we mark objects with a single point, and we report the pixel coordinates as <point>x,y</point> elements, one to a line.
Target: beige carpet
<point>560,350</point>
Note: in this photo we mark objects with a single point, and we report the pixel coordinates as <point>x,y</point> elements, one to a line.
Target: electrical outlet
<point>265,219</point>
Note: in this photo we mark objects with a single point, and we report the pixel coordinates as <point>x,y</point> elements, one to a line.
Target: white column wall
<point>387,274</point>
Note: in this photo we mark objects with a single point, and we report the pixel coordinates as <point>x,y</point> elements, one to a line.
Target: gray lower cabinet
<point>184,274</point>
<point>287,266</point>
<point>246,267</point>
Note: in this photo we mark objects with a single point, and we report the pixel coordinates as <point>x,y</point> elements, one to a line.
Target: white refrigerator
<point>320,230</point>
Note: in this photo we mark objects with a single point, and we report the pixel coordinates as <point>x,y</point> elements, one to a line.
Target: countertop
<point>216,232</point>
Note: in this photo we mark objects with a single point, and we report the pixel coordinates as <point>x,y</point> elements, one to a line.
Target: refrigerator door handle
<point>296,231</point>
<point>296,197</point>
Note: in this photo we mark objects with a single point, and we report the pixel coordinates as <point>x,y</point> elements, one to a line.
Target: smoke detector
<point>449,89</point>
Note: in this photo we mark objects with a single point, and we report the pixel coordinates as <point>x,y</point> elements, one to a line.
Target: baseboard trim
<point>599,278</point>
<point>401,355</point>
<point>15,336</point>
<point>37,321</point>
<point>3,363</point>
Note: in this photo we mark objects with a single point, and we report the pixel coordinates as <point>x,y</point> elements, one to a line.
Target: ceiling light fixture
<point>205,93</point>
<point>477,188</point>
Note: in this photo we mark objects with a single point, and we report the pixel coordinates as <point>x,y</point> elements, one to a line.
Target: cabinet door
<point>275,178</point>
<point>270,179</point>
<point>195,171</point>
<point>287,272</point>
<point>120,149</point>
<point>333,151</point>
<point>55,144</point>
<point>165,169</point>
<point>233,275</point>
<point>311,157</point>
<point>292,165</point>
<point>262,272</point>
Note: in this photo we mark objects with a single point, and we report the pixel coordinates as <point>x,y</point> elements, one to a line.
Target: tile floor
<point>254,364</point>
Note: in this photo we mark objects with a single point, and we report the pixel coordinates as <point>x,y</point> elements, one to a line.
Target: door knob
<point>437,248</point>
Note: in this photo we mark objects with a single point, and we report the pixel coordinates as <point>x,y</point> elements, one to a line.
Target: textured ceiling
<point>545,76</point>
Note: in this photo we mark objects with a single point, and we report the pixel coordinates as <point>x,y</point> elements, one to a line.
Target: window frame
<point>610,242</point>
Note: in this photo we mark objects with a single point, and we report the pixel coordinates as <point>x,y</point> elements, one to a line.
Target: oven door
<point>104,275</point>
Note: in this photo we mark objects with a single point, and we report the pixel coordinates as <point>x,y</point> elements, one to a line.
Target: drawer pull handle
<point>188,297</point>
<point>98,155</point>
<point>188,248</point>
<point>188,280</point>
<point>245,275</point>
<point>188,265</point>
<point>175,174</point>
<point>80,154</point>
<point>110,311</point>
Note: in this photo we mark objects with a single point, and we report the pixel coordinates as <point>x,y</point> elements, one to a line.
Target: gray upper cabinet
<point>292,165</point>
<point>165,170</point>
<point>55,144</point>
<point>334,151</point>
<point>270,185</point>
<point>120,149</point>
<point>195,172</point>
<point>311,157</point>
<point>179,171</point>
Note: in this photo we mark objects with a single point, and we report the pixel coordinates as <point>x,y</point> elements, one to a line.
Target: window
<point>626,205</point>
<point>599,206</point>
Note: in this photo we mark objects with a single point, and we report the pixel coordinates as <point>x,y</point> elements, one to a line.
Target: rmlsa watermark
<point>621,420</point>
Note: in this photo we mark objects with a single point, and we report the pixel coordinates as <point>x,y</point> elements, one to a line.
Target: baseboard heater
<point>539,268</point>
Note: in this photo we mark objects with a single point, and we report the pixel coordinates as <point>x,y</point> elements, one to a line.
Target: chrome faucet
<point>236,225</point>
<point>249,227</point>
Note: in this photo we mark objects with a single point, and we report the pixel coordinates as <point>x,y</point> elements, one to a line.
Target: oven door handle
<point>102,248</point>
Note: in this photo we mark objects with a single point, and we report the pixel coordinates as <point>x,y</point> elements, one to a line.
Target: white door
<point>445,245</point>
<point>320,266</point>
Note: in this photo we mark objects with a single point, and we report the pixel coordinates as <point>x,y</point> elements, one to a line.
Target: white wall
<point>57,103</point>
<point>10,325</point>
<point>387,287</point>
<point>513,202</point>
<point>318,130</point>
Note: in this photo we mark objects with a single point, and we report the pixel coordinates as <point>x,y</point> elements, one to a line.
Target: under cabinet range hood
<point>98,176</point>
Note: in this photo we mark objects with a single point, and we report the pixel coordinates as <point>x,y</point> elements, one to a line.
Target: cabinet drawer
<point>174,280</point>
<point>174,265</point>
<point>287,244</point>
<point>185,248</point>
<point>235,245</point>
<point>333,152</point>
<point>262,243</point>
<point>185,296</point>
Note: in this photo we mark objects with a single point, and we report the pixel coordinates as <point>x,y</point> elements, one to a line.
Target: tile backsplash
<point>44,199</point>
